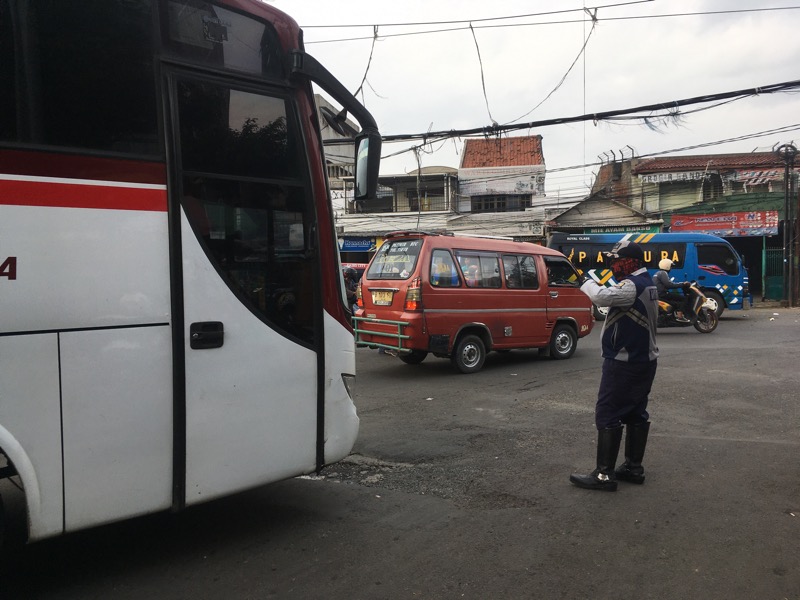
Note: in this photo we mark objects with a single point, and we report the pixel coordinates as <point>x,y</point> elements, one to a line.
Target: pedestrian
<point>629,366</point>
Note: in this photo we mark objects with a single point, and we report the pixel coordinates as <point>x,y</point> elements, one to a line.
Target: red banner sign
<point>734,224</point>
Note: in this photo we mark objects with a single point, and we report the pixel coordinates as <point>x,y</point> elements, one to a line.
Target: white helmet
<point>665,264</point>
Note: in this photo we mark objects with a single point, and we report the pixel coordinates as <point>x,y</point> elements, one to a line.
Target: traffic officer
<point>629,366</point>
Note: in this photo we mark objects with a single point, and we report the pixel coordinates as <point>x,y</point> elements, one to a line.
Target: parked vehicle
<point>460,297</point>
<point>707,259</point>
<point>699,311</point>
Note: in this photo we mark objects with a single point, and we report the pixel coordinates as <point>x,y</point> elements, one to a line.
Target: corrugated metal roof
<point>502,152</point>
<point>712,162</point>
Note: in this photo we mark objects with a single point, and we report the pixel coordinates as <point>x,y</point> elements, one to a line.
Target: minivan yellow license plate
<point>382,297</point>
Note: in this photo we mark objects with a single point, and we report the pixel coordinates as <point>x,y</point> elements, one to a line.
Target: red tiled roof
<point>502,152</point>
<point>708,161</point>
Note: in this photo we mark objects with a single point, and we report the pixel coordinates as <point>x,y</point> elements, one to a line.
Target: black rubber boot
<point>602,478</point>
<point>635,442</point>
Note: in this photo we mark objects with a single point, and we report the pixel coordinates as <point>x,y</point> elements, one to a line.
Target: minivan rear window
<point>395,260</point>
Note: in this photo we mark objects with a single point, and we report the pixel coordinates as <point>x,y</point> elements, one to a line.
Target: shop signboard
<point>733,224</point>
<point>624,229</point>
<point>357,244</point>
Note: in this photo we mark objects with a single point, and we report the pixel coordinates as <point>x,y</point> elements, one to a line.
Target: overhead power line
<point>669,108</point>
<point>562,22</point>
<point>452,22</point>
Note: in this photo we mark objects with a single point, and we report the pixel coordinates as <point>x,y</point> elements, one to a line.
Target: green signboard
<point>624,229</point>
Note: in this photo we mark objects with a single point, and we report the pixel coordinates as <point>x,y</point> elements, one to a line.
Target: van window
<point>520,272</point>
<point>480,270</point>
<point>560,272</point>
<point>719,255</point>
<point>395,260</point>
<point>443,270</point>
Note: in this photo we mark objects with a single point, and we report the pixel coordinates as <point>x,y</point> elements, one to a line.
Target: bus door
<point>248,263</point>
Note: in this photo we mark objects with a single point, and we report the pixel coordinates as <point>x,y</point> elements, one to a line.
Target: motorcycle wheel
<point>707,321</point>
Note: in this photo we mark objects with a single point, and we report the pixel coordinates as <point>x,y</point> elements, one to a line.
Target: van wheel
<point>469,354</point>
<point>563,342</point>
<point>414,357</point>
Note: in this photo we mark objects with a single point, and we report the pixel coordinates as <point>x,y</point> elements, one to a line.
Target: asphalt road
<point>458,488</point>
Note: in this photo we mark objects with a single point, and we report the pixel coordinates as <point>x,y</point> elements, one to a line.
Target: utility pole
<point>787,153</point>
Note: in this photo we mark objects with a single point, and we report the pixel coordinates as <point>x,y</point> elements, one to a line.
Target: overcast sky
<point>417,83</point>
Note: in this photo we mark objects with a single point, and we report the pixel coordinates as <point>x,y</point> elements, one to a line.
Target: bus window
<point>210,34</point>
<point>231,131</point>
<point>719,255</point>
<point>8,91</point>
<point>75,93</point>
<point>258,234</point>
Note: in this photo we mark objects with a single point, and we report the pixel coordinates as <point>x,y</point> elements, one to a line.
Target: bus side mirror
<point>367,165</point>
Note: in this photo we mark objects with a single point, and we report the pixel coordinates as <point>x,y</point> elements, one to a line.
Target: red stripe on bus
<point>75,166</point>
<point>42,193</point>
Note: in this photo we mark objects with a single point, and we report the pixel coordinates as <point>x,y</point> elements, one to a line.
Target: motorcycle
<point>700,311</point>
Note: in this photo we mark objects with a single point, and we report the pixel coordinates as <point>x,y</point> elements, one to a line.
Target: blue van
<point>707,259</point>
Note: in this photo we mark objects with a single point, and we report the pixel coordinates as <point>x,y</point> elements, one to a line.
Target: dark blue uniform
<point>629,349</point>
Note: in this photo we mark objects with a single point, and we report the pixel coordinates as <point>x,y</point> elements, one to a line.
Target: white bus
<point>173,326</point>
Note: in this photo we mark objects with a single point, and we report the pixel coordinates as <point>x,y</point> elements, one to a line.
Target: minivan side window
<point>520,271</point>
<point>443,270</point>
<point>560,272</point>
<point>480,270</point>
<point>718,255</point>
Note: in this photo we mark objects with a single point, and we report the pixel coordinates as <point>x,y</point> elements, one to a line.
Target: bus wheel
<point>414,357</point>
<point>720,302</point>
<point>563,342</point>
<point>469,354</point>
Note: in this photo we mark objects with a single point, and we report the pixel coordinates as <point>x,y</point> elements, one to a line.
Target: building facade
<point>740,197</point>
<point>498,190</point>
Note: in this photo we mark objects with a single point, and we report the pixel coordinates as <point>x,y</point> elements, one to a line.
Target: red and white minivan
<point>460,297</point>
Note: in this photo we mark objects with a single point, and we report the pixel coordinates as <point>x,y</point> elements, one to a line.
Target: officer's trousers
<point>623,395</point>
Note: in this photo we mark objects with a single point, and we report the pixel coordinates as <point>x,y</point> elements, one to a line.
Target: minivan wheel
<point>563,342</point>
<point>414,357</point>
<point>469,354</point>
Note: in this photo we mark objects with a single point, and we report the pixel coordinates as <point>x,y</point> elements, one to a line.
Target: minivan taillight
<point>414,295</point>
<point>359,300</point>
